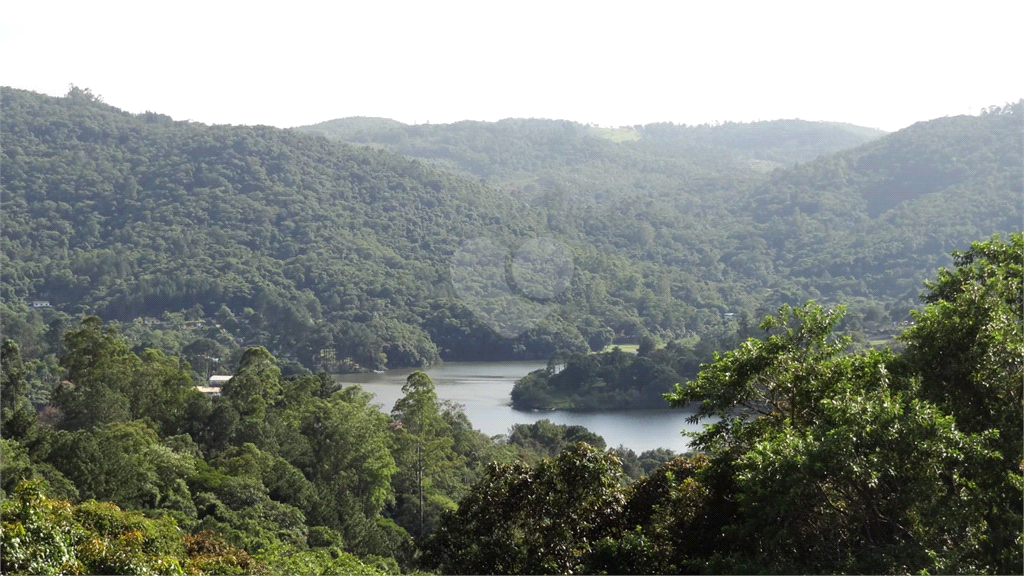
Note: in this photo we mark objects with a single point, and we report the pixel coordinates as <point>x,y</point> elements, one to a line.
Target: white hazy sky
<point>879,64</point>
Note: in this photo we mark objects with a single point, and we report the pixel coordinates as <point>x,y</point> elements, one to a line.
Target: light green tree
<point>967,349</point>
<point>423,450</point>
<point>107,382</point>
<point>833,462</point>
<point>351,465</point>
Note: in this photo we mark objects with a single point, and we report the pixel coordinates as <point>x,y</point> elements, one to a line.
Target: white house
<point>214,385</point>
<point>218,380</point>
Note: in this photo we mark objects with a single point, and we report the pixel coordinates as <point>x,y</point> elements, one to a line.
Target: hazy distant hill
<point>782,141</point>
<point>592,163</point>
<point>354,126</point>
<point>311,245</point>
<point>536,158</point>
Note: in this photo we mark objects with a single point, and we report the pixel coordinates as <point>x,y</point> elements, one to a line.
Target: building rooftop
<point>219,380</point>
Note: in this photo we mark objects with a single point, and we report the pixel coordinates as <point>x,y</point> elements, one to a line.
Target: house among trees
<point>214,385</point>
<point>41,304</point>
<point>218,380</point>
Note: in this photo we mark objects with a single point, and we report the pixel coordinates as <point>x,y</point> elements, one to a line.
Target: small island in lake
<point>612,380</point>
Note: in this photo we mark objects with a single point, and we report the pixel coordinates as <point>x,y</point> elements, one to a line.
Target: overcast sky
<point>881,64</point>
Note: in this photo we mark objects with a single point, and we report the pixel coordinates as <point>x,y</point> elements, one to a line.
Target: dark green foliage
<point>274,456</point>
<point>636,466</point>
<point>967,344</point>
<point>126,464</point>
<point>16,413</point>
<point>544,439</point>
<point>828,460</point>
<point>613,380</point>
<point>667,524</point>
<point>519,520</point>
<point>107,382</point>
<point>968,349</point>
<point>600,339</point>
<point>165,217</point>
<point>862,221</point>
<point>821,458</point>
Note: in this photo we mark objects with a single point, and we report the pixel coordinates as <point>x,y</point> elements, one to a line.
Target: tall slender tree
<point>424,443</point>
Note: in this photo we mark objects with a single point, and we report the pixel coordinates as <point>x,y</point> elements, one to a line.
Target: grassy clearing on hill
<point>616,134</point>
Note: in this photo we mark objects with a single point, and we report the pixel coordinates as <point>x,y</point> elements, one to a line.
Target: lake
<point>483,390</point>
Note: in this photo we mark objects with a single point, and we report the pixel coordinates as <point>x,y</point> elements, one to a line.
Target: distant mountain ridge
<point>524,155</point>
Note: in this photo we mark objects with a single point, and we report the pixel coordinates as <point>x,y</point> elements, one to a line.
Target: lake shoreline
<point>483,389</point>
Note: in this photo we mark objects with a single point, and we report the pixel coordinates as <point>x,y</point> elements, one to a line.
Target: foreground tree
<point>45,536</point>
<point>967,344</point>
<point>543,520</point>
<point>423,451</point>
<point>967,349</point>
<point>831,461</point>
<point>40,535</point>
<point>350,464</point>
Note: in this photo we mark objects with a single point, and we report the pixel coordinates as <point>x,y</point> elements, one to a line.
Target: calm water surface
<point>483,389</point>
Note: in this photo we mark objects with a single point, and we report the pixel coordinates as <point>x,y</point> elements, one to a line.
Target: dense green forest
<point>612,380</point>
<point>203,240</point>
<point>820,458</point>
<point>769,275</point>
<point>863,219</point>
<point>131,470</point>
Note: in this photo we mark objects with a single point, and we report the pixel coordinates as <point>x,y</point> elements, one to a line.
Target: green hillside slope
<point>131,216</point>
<point>341,257</point>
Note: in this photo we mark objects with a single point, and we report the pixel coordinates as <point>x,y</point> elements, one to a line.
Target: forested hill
<point>321,245</point>
<point>554,157</point>
<point>862,217</point>
<point>880,217</point>
<point>339,256</point>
